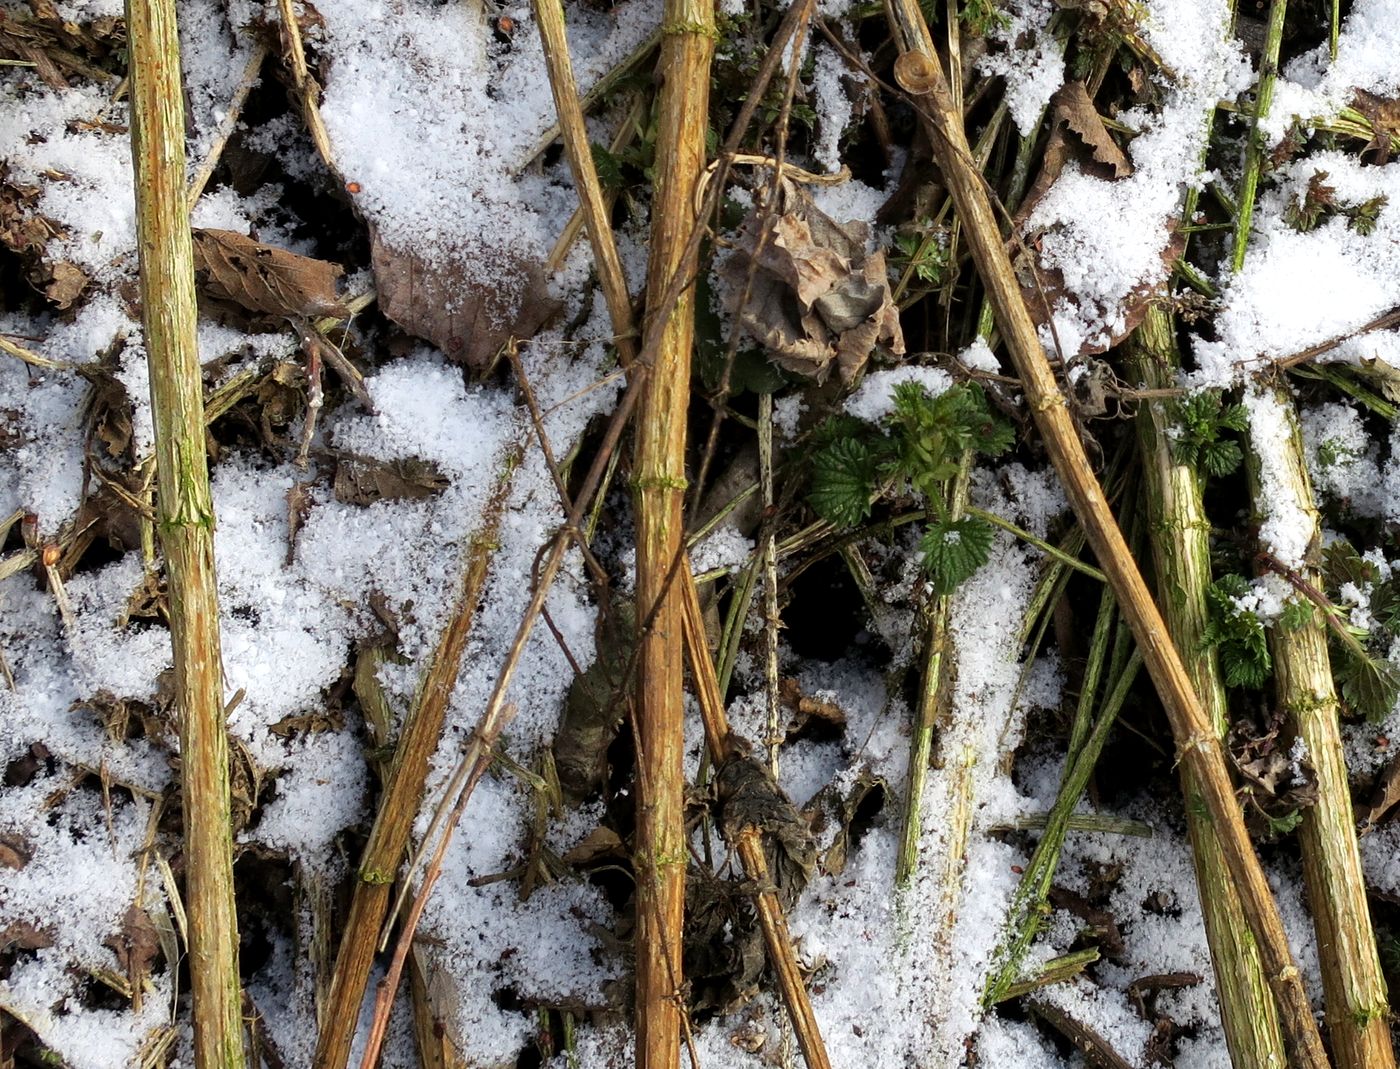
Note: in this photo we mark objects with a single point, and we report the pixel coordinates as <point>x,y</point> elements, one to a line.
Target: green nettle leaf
<point>954,549</point>
<point>1370,685</point>
<point>1385,606</point>
<point>1237,635</point>
<point>933,432</point>
<point>609,168</point>
<point>1281,826</point>
<point>1297,612</point>
<point>1221,458</point>
<point>844,474</point>
<point>1202,419</point>
<point>1233,418</point>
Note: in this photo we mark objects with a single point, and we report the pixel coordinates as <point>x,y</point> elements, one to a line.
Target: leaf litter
<point>433,200</point>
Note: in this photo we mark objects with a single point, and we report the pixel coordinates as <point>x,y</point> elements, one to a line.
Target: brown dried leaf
<point>1078,135</point>
<point>599,844</point>
<point>14,852</point>
<point>1386,794</point>
<point>817,300</point>
<point>442,299</point>
<point>24,936</point>
<point>365,480</point>
<point>136,944</point>
<point>832,816</point>
<point>65,283</point>
<point>1383,113</point>
<point>265,279</point>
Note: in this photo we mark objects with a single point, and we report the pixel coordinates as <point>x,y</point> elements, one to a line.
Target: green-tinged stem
<point>1254,151</point>
<point>185,518</point>
<point>1354,987</point>
<point>1028,904</point>
<point>932,695</point>
<point>1180,536</point>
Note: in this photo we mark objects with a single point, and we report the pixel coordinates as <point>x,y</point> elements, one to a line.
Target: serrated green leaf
<point>954,549</point>
<point>1238,636</point>
<point>1297,612</point>
<point>1281,826</point>
<point>1234,418</point>
<point>1342,564</point>
<point>609,168</point>
<point>1221,457</point>
<point>1370,685</point>
<point>843,482</point>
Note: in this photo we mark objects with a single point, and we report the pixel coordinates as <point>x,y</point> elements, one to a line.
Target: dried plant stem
<point>1353,986</point>
<point>1352,982</point>
<point>601,88</point>
<point>1180,536</point>
<point>186,523</point>
<point>403,792</point>
<point>550,16</point>
<point>307,88</point>
<point>768,552</point>
<point>750,840</point>
<point>687,45</point>
<point>232,114</point>
<point>918,72</point>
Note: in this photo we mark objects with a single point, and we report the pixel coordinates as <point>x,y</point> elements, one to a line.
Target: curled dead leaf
<point>265,279</point>
<point>135,944</point>
<point>817,299</point>
<point>598,845</point>
<point>14,852</point>
<point>748,796</point>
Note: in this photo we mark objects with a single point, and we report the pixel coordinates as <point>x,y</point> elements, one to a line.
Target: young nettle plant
<point>1369,682</point>
<point>1202,421</point>
<point>918,447</point>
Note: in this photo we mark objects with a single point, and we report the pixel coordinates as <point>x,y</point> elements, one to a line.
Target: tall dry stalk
<point>687,46</point>
<point>1180,535</point>
<point>919,73</point>
<point>1353,986</point>
<point>185,515</point>
<point>403,791</point>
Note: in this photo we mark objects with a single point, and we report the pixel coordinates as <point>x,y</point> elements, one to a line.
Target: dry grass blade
<point>403,793</point>
<point>919,73</point>
<point>550,16</point>
<point>687,45</point>
<point>227,125</point>
<point>186,524</point>
<point>750,840</point>
<point>306,87</point>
